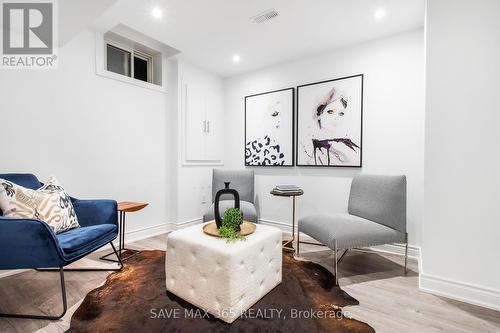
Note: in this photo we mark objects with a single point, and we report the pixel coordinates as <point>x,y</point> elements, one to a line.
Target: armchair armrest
<point>26,243</point>
<point>94,212</point>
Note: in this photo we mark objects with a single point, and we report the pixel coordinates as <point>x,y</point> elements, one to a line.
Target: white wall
<point>393,125</point>
<point>100,137</point>
<point>460,256</point>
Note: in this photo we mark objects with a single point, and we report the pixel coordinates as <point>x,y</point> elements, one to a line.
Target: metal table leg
<point>134,252</point>
<point>288,245</point>
<point>121,242</point>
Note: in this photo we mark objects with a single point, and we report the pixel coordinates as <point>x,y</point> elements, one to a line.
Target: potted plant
<point>231,225</point>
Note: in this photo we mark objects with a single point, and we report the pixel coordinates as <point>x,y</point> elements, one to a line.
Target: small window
<point>118,60</point>
<point>131,63</point>
<point>142,67</point>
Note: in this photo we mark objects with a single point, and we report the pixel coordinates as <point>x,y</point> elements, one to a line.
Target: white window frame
<point>101,66</point>
<point>133,53</point>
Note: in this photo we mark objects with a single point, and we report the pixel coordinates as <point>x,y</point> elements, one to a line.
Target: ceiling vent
<point>264,16</point>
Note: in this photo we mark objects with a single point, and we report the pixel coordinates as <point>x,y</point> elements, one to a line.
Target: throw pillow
<point>49,204</point>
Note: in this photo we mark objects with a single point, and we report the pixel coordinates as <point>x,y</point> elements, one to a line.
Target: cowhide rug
<point>135,300</point>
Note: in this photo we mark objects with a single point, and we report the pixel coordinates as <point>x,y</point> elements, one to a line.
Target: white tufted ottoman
<point>224,279</point>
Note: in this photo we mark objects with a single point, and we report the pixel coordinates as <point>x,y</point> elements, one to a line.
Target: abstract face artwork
<point>269,128</point>
<point>329,123</point>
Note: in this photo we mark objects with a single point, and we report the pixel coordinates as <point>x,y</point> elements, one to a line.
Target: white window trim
<point>102,71</point>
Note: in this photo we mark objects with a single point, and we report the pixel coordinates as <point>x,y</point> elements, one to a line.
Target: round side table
<point>288,245</point>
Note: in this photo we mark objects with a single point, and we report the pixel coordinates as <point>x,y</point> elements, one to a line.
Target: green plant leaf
<point>230,234</point>
<point>233,218</point>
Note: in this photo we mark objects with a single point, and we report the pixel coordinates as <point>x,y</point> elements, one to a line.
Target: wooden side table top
<point>130,206</point>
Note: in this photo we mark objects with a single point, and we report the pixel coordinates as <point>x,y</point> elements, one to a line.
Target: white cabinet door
<point>195,122</point>
<point>214,140</point>
<point>203,111</point>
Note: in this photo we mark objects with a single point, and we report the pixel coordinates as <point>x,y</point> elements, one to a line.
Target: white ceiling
<point>75,15</point>
<point>210,32</point>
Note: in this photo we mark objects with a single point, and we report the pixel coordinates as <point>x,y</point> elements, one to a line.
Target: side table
<point>124,207</point>
<point>288,245</point>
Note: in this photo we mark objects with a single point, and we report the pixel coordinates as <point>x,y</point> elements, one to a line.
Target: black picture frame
<point>292,129</point>
<point>297,127</point>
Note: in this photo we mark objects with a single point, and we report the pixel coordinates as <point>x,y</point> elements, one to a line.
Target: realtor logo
<point>28,31</point>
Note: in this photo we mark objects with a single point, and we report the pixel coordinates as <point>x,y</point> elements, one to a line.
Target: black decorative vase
<point>225,190</point>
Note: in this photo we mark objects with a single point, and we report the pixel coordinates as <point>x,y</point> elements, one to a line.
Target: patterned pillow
<point>49,204</point>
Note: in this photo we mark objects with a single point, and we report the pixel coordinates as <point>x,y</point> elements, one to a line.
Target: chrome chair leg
<point>31,316</point>
<point>298,244</point>
<point>406,255</point>
<point>335,263</point>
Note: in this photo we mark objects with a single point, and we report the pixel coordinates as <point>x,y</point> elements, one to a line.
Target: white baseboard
<point>460,291</point>
<point>285,227</point>
<point>184,224</point>
<point>12,272</point>
<point>399,249</point>
<point>143,233</point>
<point>413,251</point>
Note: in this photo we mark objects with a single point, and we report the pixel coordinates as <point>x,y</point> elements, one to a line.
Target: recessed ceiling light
<point>157,13</point>
<point>379,14</point>
<point>236,58</point>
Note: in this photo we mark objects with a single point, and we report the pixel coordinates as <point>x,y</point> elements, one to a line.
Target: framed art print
<point>330,122</point>
<point>269,119</point>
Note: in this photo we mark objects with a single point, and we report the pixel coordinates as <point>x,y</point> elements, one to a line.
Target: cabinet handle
<point>208,126</point>
<point>204,126</point>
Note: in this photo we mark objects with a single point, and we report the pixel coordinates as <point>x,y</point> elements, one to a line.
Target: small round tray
<point>247,228</point>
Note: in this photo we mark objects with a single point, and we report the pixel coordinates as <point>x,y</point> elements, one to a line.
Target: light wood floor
<point>389,301</point>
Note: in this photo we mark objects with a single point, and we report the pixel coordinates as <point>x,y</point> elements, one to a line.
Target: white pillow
<point>49,204</point>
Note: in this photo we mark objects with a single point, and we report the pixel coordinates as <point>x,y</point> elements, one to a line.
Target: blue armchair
<point>31,244</point>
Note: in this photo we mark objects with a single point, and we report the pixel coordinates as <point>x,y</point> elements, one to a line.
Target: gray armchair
<point>243,182</point>
<point>376,216</point>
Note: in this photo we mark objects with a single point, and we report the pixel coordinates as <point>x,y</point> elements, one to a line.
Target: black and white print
<point>269,128</point>
<point>329,123</point>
